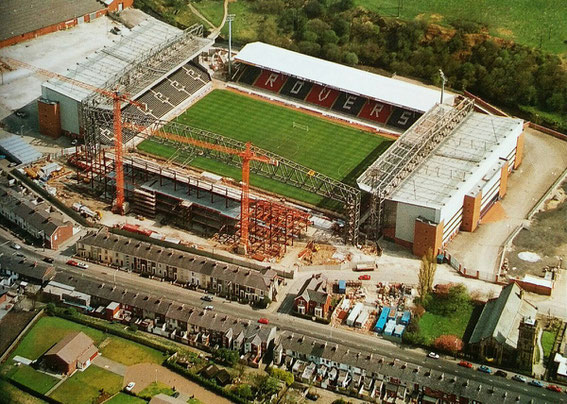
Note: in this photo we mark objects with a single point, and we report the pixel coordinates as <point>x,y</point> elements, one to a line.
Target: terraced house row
<point>183,323</point>
<point>178,266</point>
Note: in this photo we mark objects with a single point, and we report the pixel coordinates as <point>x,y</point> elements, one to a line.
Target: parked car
<point>553,387</point>
<point>535,383</point>
<point>130,386</point>
<point>209,307</point>
<point>72,263</point>
<point>48,259</point>
<point>364,278</point>
<point>501,373</point>
<point>16,246</point>
<point>312,396</point>
<point>519,378</point>
<point>82,265</point>
<point>484,369</point>
<point>207,298</point>
<point>433,355</point>
<point>263,320</point>
<point>465,364</point>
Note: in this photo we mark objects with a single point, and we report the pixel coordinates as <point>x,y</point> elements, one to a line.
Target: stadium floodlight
<point>444,79</point>
<point>230,18</point>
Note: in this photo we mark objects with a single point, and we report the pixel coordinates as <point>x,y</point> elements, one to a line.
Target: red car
<point>263,320</point>
<point>465,364</point>
<point>364,278</point>
<point>553,387</point>
<point>72,262</point>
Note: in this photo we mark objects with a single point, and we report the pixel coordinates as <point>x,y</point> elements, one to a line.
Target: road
<point>368,343</point>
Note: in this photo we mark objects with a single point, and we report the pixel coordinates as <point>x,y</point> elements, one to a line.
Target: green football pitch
<point>338,151</point>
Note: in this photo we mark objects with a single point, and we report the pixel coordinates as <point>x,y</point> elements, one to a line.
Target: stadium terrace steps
<point>328,98</point>
<point>171,91</point>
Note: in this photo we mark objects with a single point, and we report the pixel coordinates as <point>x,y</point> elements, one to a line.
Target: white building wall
<point>405,219</point>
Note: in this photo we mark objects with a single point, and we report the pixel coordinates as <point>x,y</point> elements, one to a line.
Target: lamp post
<point>230,18</point>
<point>444,79</point>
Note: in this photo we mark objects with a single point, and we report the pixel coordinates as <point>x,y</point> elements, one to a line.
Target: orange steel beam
<point>117,98</point>
<point>246,156</point>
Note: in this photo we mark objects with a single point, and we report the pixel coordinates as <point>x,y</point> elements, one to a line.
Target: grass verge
<point>33,379</point>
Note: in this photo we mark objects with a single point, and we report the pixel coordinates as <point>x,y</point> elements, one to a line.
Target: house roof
<point>314,289</point>
<point>36,270</point>
<point>501,317</point>
<point>261,280</point>
<point>74,346</point>
<point>20,17</point>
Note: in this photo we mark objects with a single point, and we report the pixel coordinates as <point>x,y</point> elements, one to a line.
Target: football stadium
<point>378,156</point>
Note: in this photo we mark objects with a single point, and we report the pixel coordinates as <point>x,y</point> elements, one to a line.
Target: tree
<point>225,355</point>
<point>449,343</point>
<point>244,390</point>
<point>314,9</point>
<point>281,374</point>
<point>350,58</point>
<point>426,274</point>
<point>269,386</point>
<point>50,309</point>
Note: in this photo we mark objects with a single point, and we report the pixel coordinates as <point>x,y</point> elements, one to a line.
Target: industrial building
<point>25,20</point>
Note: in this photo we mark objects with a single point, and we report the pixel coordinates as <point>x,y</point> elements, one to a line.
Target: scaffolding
<point>406,154</point>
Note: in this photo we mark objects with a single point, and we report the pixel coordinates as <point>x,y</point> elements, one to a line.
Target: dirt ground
<point>145,373</point>
<point>545,236</point>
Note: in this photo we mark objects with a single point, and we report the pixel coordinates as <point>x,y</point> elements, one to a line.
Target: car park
<point>501,373</point>
<point>535,383</point>
<point>263,320</point>
<point>433,355</point>
<point>207,298</point>
<point>130,386</point>
<point>484,369</point>
<point>519,378</point>
<point>465,364</point>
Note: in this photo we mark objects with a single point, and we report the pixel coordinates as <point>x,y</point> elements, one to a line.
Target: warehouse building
<point>456,184</point>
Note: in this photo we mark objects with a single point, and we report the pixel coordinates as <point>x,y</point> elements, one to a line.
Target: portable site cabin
<point>406,317</point>
<point>354,314</point>
<point>381,323</point>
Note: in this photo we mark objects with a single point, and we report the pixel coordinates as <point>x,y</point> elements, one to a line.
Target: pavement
<point>110,365</point>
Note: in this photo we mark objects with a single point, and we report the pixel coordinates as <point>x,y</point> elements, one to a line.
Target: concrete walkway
<point>110,365</point>
<point>539,368</point>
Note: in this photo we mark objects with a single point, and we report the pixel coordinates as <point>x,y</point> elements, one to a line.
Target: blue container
<point>342,286</point>
<point>406,317</point>
<point>381,323</point>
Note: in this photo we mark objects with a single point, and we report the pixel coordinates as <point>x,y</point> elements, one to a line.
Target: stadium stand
<point>376,111</point>
<point>402,118</point>
<point>270,81</point>
<point>348,104</point>
<point>322,96</point>
<point>171,91</point>
<point>249,75</point>
<point>296,88</point>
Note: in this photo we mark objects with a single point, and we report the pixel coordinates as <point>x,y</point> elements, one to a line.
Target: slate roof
<point>386,369</point>
<point>501,317</point>
<point>20,17</point>
<point>181,259</point>
<point>314,289</point>
<point>74,346</point>
<point>36,270</point>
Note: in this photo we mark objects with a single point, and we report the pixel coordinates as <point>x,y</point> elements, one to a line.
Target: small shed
<point>342,286</point>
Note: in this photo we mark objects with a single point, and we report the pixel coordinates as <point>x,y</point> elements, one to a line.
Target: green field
<point>339,151</point>
<point>527,22</point>
<point>33,379</point>
<point>85,387</point>
<point>130,353</point>
<point>432,325</point>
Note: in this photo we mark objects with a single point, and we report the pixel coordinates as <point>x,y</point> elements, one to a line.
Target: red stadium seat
<point>322,96</point>
<point>271,81</point>
<point>376,111</point>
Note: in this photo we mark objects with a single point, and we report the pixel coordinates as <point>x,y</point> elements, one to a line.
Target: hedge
<point>206,383</point>
<point>32,392</point>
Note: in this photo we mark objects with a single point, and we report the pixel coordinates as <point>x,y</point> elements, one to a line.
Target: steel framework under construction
<point>99,123</point>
